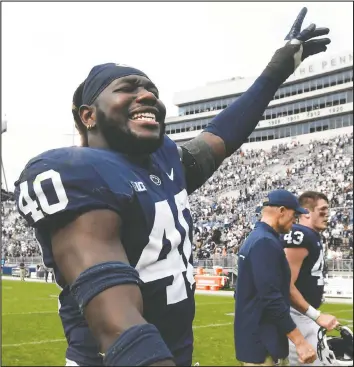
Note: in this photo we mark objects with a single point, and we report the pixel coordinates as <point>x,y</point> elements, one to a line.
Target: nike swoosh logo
<point>170,176</point>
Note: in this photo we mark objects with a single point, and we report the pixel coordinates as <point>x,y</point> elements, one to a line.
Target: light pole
<point>3,173</point>
<point>3,130</point>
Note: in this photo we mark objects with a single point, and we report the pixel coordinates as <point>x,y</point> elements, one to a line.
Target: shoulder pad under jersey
<point>70,180</point>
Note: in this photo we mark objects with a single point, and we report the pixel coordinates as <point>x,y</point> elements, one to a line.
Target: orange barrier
<point>210,282</point>
<point>200,271</point>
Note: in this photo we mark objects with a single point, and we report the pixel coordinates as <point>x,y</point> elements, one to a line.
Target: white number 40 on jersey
<point>149,266</point>
<point>31,206</point>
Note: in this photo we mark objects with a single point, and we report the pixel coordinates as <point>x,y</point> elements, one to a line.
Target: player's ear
<point>307,216</point>
<point>282,210</point>
<point>87,115</point>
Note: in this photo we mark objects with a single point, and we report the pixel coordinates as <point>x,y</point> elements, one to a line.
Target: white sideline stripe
<point>345,320</point>
<point>212,325</point>
<point>48,312</point>
<point>29,313</point>
<point>213,303</point>
<point>33,343</point>
<point>63,340</point>
<point>341,311</point>
<point>329,300</point>
<point>218,303</point>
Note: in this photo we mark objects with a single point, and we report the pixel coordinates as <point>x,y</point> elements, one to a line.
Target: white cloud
<point>49,48</point>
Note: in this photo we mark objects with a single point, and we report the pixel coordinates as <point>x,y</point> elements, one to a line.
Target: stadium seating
<point>224,209</point>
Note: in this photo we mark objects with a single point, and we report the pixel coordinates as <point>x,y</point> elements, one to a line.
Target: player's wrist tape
<point>140,345</point>
<point>312,313</point>
<point>100,277</point>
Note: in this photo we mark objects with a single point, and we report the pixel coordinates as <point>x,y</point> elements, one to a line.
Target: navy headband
<point>101,76</point>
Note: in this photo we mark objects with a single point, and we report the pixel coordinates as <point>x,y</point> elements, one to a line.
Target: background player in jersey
<point>112,217</point>
<point>305,254</point>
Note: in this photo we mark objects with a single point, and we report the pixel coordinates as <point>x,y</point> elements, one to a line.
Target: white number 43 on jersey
<point>296,238</point>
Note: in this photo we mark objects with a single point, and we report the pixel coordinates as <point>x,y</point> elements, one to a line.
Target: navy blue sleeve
<point>295,239</point>
<point>266,263</point>
<point>64,183</point>
<point>236,123</point>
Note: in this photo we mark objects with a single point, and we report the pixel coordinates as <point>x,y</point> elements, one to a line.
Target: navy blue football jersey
<point>61,184</point>
<point>310,281</point>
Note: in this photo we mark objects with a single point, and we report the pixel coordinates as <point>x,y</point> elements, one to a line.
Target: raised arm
<point>92,259</point>
<point>226,133</point>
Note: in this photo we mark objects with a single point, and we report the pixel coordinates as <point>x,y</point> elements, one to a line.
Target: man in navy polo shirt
<point>262,316</point>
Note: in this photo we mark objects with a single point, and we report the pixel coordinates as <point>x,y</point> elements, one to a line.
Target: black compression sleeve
<point>199,163</point>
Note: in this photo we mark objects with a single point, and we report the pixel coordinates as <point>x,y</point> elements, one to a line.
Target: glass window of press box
<point>308,105</point>
<point>296,129</point>
<point>285,91</point>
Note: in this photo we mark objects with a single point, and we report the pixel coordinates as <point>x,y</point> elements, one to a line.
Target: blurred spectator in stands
<point>338,258</point>
<point>331,253</point>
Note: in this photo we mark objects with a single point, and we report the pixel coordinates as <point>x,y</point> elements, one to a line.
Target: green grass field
<point>32,333</point>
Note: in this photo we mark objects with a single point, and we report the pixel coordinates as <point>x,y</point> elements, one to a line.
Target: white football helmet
<point>335,351</point>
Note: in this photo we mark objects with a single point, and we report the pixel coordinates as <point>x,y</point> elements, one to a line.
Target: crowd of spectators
<point>224,209</point>
<point>18,240</point>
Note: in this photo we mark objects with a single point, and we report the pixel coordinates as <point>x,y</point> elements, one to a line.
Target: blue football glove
<point>300,45</point>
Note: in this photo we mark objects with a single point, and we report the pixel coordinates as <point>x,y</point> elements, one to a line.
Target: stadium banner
<point>315,114</point>
<point>279,121</point>
<point>324,65</point>
<point>338,287</point>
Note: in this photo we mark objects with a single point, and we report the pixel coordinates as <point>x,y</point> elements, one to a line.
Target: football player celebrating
<point>113,219</point>
<point>305,254</point>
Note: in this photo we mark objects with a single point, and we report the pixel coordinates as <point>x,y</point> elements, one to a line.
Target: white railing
<point>340,265</point>
<point>224,261</point>
<point>230,262</point>
<point>29,260</point>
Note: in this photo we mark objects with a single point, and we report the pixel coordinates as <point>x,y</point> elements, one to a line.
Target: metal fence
<point>225,262</point>
<point>30,260</point>
<point>230,262</point>
<point>340,265</point>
